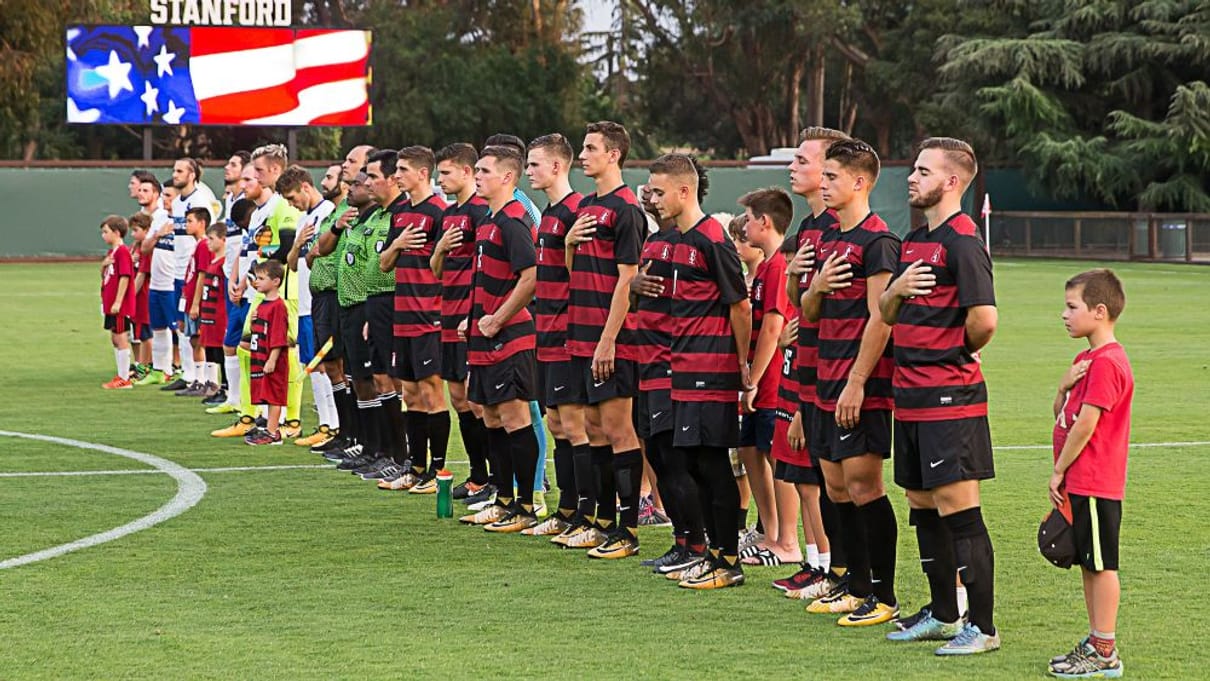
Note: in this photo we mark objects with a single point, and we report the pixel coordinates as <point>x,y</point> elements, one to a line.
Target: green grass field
<point>312,574</point>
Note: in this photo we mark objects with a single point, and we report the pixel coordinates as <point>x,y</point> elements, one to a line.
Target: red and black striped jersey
<point>269,329</point>
<point>458,269</point>
<point>417,289</point>
<point>788,400</point>
<point>707,280</point>
<point>811,230</point>
<point>768,296</point>
<point>620,225</point>
<point>213,306</point>
<point>936,377</point>
<point>551,292</point>
<point>504,247</point>
<point>870,248</point>
<point>654,335</point>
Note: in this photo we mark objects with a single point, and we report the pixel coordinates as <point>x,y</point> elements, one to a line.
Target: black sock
<point>606,487</point>
<point>760,525</point>
<point>937,560</point>
<point>628,474</point>
<point>565,477</point>
<point>523,450</point>
<point>677,484</point>
<point>346,408</point>
<point>976,564</point>
<point>883,532</point>
<point>831,528</point>
<point>586,486</point>
<point>473,442</point>
<point>392,427</point>
<point>852,532</point>
<point>418,440</point>
<point>657,447</point>
<point>368,416</point>
<point>702,498</point>
<point>499,451</point>
<point>439,438</point>
<point>714,468</point>
<point>741,517</point>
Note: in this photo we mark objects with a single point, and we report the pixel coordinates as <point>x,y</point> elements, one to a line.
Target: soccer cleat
<point>679,563</point>
<point>260,437</point>
<point>405,482</point>
<point>477,496</point>
<point>575,527</point>
<point>554,525</point>
<point>540,503</point>
<point>291,428</point>
<point>209,390</point>
<point>357,461</point>
<point>396,483</point>
<point>117,383</point>
<point>589,538</point>
<point>176,384</point>
<point>426,483</point>
<point>216,399</point>
<point>377,462</point>
<point>138,371</point>
<point>153,377</point>
<point>238,429</point>
<point>517,520</point>
<point>619,544</point>
<point>718,576</point>
<point>673,551</point>
<point>223,408</point>
<point>1085,663</point>
<point>927,628</point>
<point>195,389</point>
<point>835,602</point>
<point>826,581</point>
<point>905,623</point>
<point>797,580</point>
<point>971,641</point>
<point>463,489</point>
<point>486,516</point>
<point>702,565</point>
<point>870,612</point>
<point>390,471</point>
<point>320,435</point>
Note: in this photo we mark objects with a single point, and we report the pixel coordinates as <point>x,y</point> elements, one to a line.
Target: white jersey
<point>312,217</point>
<point>247,256</point>
<point>201,197</point>
<point>163,259</point>
<point>235,235</point>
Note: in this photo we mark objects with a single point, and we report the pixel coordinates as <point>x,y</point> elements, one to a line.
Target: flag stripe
<point>221,40</point>
<point>322,101</point>
<point>330,48</point>
<point>241,71</point>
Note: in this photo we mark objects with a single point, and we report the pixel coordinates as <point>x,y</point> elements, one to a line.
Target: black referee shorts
<point>380,313</point>
<point>325,320</point>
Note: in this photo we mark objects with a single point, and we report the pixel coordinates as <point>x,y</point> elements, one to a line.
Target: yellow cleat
<point>870,612</point>
<point>836,602</point>
<point>319,436</point>
<point>291,428</point>
<point>487,516</point>
<point>572,530</point>
<point>718,576</point>
<point>589,538</point>
<point>692,572</point>
<point>551,527</point>
<point>620,544</point>
<point>238,429</point>
<point>516,521</point>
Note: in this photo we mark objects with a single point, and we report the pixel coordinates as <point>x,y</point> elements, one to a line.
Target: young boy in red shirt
<point>1091,442</point>
<point>269,342</point>
<point>140,224</point>
<point>117,297</point>
<point>197,221</point>
<point>209,305</point>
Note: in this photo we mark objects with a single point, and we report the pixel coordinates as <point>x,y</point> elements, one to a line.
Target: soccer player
<point>211,299</point>
<point>197,221</point>
<point>239,218</point>
<point>416,353</point>
<point>942,304</point>
<point>140,225</point>
<point>297,187</point>
<point>233,181</point>
<point>851,429</point>
<point>501,341</point>
<point>453,262</point>
<point>117,297</point>
<point>549,160</point>
<point>158,250</point>
<point>1091,444</point>
<point>190,193</point>
<point>268,346</point>
<point>768,213</point>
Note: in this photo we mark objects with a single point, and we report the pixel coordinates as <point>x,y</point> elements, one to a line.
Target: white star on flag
<point>144,34</point>
<point>116,73</point>
<point>173,114</point>
<point>163,61</point>
<point>148,97</point>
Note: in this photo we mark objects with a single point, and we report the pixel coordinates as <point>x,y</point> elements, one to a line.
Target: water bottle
<point>445,494</point>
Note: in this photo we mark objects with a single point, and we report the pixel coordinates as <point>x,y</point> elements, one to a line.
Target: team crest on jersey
<point>936,255</point>
<point>693,256</point>
<point>379,245</point>
<point>758,291</point>
<point>350,259</point>
<point>665,253</point>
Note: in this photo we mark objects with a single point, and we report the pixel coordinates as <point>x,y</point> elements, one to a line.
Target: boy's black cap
<point>1055,540</point>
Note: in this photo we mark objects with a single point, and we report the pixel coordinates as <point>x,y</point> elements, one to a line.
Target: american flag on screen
<point>217,76</point>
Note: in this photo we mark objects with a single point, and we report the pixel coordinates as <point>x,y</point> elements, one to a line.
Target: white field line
<point>190,489</point>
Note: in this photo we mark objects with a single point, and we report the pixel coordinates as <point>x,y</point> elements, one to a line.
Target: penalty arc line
<point>190,490</point>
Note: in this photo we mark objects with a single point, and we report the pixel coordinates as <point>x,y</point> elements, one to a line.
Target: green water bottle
<point>445,494</point>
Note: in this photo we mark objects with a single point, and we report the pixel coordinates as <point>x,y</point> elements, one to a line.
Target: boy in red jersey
<point>267,346</point>
<point>709,362</point>
<point>453,261</point>
<point>210,306</point>
<point>851,429</point>
<point>943,306</point>
<point>205,384</point>
<point>1091,445</point>
<point>140,225</point>
<point>117,297</point>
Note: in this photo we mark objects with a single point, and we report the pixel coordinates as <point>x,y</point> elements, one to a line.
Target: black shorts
<point>799,475</point>
<point>929,454</point>
<point>1095,524</point>
<point>556,381</point>
<point>453,361</point>
<point>832,443</point>
<point>416,358</point>
<point>118,323</point>
<point>756,430</point>
<point>705,424</point>
<point>653,413</point>
<point>513,378</point>
<point>380,313</point>
<point>325,323</point>
<point>623,383</point>
<point>358,361</point>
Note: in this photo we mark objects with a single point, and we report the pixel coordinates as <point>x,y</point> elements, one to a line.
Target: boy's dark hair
<point>418,158</point>
<point>556,145</point>
<point>217,229</point>
<point>507,155</point>
<point>501,139</point>
<point>460,153</point>
<point>241,212</point>
<point>773,202</point>
<point>615,137</point>
<point>167,183</point>
<point>855,155</point>
<point>1100,287</point>
<point>140,220</point>
<point>144,176</point>
<point>270,268</point>
<point>703,182</point>
<point>293,178</point>
<point>736,228</point>
<point>386,159</point>
<point>116,223</point>
<point>956,151</point>
<point>199,213</point>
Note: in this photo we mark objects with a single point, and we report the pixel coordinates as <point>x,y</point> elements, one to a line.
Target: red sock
<point>1104,643</point>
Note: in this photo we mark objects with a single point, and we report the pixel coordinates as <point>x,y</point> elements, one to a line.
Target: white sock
<point>813,555</point>
<point>231,364</point>
<point>188,369</point>
<point>825,560</point>
<point>161,350</point>
<point>321,389</point>
<point>123,359</point>
<point>963,606</point>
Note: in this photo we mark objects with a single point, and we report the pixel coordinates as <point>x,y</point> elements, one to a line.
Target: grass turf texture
<point>312,573</point>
